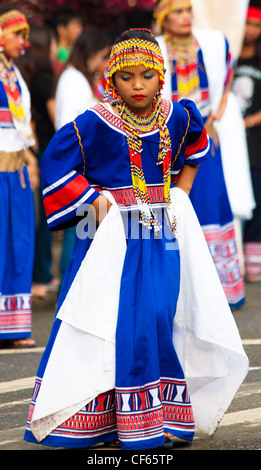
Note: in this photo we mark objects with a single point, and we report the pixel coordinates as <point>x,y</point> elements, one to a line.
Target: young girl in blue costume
<point>110,370</point>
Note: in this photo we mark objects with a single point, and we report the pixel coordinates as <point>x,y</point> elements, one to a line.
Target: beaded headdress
<point>13,21</point>
<point>128,53</point>
<point>134,52</point>
<point>164,7</point>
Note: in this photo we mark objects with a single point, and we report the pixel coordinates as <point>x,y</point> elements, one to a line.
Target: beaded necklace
<point>11,100</point>
<point>133,52</point>
<point>134,126</point>
<point>9,80</point>
<point>185,56</point>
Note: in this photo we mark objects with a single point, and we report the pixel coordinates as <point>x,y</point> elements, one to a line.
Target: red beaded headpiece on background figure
<point>164,7</point>
<point>13,21</point>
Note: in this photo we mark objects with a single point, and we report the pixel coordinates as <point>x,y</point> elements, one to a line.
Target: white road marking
<point>21,351</point>
<point>238,417</point>
<point>15,385</point>
<point>251,342</point>
<point>14,403</point>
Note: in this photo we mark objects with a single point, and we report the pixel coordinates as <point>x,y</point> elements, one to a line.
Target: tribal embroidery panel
<point>144,412</point>
<point>222,245</point>
<point>136,413</point>
<point>15,313</point>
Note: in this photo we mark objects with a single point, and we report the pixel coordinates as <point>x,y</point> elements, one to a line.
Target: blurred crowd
<point>65,70</point>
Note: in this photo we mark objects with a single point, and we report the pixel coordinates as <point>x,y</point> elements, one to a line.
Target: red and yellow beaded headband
<point>164,7</point>
<point>134,52</point>
<point>13,21</point>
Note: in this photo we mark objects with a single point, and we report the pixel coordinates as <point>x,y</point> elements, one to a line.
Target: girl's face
<point>138,86</point>
<point>179,22</point>
<point>14,43</point>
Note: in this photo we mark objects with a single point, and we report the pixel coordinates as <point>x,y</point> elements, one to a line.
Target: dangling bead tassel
<point>172,218</point>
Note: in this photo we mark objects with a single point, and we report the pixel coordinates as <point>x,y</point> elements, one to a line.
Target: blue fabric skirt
<point>210,200</point>
<point>209,193</point>
<point>16,255</point>
<point>150,395</point>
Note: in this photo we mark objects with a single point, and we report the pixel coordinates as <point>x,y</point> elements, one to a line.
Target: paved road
<point>240,428</point>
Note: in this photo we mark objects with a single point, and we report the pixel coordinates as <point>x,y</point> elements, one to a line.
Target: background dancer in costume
<point>111,360</point>
<point>191,73</point>
<point>247,87</point>
<point>19,174</point>
<point>231,129</point>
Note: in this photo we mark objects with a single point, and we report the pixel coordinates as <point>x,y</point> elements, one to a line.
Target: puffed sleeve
<point>65,188</point>
<point>197,142</point>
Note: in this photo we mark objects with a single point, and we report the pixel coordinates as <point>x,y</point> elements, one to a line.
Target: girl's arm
<point>187,176</point>
<point>33,169</point>
<point>101,206</point>
<point>253,120</point>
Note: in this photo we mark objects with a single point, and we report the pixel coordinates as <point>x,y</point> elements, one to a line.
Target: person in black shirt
<point>247,87</point>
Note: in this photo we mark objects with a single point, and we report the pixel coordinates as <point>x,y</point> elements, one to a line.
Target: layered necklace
<point>9,80</point>
<point>184,54</point>
<point>131,52</point>
<point>134,126</point>
<point>12,91</point>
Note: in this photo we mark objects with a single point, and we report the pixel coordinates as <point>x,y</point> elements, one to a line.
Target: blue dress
<point>150,395</point>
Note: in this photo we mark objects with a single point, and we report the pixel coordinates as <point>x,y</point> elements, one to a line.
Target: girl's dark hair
<point>139,33</point>
<point>90,41</point>
<point>64,14</point>
<point>6,9</point>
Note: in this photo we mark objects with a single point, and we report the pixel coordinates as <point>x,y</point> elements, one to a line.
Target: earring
<point>110,94</point>
<point>114,96</point>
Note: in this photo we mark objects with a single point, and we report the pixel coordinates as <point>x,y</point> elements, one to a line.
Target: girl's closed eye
<point>148,75</point>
